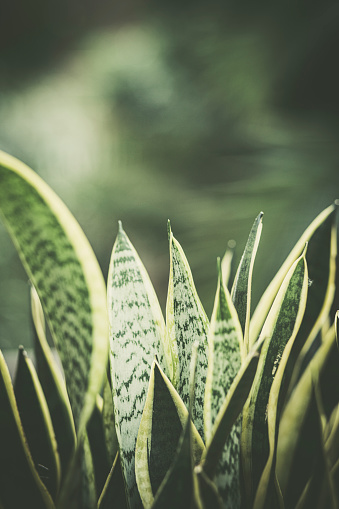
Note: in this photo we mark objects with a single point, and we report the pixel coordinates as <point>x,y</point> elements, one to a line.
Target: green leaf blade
<point>281,326</point>
<point>137,333</point>
<point>186,323</point>
<point>15,460</point>
<point>241,290</point>
<point>225,344</point>
<point>61,264</point>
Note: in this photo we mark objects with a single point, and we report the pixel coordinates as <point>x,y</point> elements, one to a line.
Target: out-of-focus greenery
<point>201,113</point>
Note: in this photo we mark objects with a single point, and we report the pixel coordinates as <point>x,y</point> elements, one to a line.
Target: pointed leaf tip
<point>120,226</point>
<point>169,230</point>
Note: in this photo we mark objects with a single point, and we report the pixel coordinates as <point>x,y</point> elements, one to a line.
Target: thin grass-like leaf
<point>161,427</point>
<point>54,387</point>
<point>241,290</point>
<point>19,480</point>
<point>225,345</point>
<point>281,326</point>
<point>37,423</point>
<point>62,266</point>
<point>310,236</point>
<point>137,334</point>
<point>186,323</point>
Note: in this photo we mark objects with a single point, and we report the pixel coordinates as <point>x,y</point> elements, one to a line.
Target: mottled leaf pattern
<point>271,291</point>
<point>186,323</point>
<point>241,290</point>
<point>161,427</point>
<point>137,331</point>
<point>53,386</point>
<point>282,324</point>
<point>225,343</point>
<point>61,264</point>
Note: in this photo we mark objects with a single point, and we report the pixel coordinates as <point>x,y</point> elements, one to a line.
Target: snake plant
<point>142,411</point>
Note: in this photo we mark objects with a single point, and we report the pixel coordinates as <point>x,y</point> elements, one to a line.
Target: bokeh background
<point>202,112</point>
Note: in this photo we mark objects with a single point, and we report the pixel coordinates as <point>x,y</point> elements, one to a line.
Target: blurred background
<point>202,112</point>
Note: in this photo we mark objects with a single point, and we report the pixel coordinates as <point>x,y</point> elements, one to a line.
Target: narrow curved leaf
<point>227,263</point>
<point>54,387</point>
<point>225,344</point>
<point>37,423</point>
<point>230,411</point>
<point>281,326</point>
<point>186,323</point>
<point>19,481</point>
<point>310,236</point>
<point>207,491</point>
<point>61,264</point>
<point>137,334</point>
<point>296,447</point>
<point>161,427</point>
<point>241,290</point>
<point>111,438</point>
<point>113,495</point>
<point>321,261</point>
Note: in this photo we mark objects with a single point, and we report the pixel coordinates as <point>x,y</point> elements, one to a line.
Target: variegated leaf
<point>225,343</point>
<point>161,427</point>
<point>271,291</point>
<point>186,323</point>
<point>137,333</point>
<point>63,268</point>
<point>242,286</point>
<point>54,387</point>
<point>281,326</point>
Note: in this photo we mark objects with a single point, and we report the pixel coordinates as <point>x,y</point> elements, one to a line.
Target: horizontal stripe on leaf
<point>186,323</point>
<point>137,334</point>
<point>19,480</point>
<point>281,326</point>
<point>161,427</point>
<point>225,344</point>
<point>63,268</point>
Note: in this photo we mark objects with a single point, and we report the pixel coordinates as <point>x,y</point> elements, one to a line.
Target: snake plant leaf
<point>186,323</point>
<point>230,411</point>
<point>37,423</point>
<point>137,334</point>
<point>207,491</point>
<point>53,386</point>
<point>319,491</point>
<point>111,438</point>
<point>280,328</point>
<point>268,491</point>
<point>62,266</point>
<point>113,495</point>
<point>178,486</point>
<point>241,290</point>
<point>163,420</point>
<point>296,447</point>
<point>227,263</point>
<point>310,235</point>
<point>225,344</point>
<point>97,442</point>
<point>321,262</point>
<point>19,480</point>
